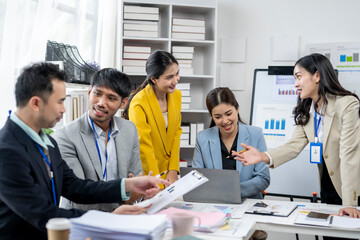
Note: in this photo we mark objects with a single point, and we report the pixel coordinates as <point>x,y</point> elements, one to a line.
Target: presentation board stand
<point>274,98</point>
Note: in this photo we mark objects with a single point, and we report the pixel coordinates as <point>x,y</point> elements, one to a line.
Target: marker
<point>244,150</point>
<point>159,175</point>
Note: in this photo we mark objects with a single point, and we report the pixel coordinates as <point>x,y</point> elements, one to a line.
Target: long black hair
<point>221,95</point>
<point>157,63</point>
<point>328,83</point>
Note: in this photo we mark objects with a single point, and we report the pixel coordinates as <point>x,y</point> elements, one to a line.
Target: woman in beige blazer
<point>337,116</point>
<point>155,109</point>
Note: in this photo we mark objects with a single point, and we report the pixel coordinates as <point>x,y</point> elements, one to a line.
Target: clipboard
<point>185,184</point>
<point>279,210</point>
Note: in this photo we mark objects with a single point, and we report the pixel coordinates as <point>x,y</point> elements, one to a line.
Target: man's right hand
<point>146,185</point>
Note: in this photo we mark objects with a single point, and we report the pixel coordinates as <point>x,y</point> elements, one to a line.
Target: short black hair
<point>35,80</point>
<point>114,79</point>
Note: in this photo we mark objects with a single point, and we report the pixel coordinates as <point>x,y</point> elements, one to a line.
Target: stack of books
<point>134,59</point>
<point>190,131</point>
<point>141,21</point>
<point>188,29</point>
<point>185,95</point>
<point>103,225</point>
<point>184,55</point>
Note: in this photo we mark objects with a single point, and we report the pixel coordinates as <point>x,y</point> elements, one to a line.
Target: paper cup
<point>58,229</point>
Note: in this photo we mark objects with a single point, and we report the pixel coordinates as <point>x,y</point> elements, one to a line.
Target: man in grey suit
<point>99,145</point>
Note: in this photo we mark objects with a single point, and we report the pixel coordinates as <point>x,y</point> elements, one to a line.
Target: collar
<point>99,131</point>
<point>42,139</point>
<point>312,109</point>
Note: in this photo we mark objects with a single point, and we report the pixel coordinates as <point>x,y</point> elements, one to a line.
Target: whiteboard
<point>273,100</point>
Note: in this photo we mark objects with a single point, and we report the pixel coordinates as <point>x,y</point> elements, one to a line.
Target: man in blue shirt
<point>33,175</point>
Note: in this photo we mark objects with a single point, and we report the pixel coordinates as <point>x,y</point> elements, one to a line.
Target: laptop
<point>223,186</point>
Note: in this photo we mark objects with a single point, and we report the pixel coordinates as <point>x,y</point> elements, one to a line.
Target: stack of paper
<point>140,21</point>
<point>102,225</point>
<point>188,29</point>
<point>185,94</point>
<point>134,59</point>
<point>209,221</point>
<point>184,55</point>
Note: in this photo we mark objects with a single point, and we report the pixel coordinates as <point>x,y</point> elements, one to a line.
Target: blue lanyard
<point>317,127</point>
<point>51,172</point>
<point>97,146</point>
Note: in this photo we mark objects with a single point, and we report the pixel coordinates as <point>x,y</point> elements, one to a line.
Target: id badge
<point>316,152</point>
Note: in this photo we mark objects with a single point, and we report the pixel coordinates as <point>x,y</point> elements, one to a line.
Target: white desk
<point>250,222</point>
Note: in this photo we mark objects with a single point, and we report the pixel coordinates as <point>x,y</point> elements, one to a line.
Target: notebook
<point>223,186</point>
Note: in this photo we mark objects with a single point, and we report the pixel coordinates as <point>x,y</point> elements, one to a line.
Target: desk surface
<point>244,227</point>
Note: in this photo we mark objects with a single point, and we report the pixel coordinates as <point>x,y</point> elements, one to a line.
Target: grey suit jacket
<point>77,146</point>
<point>254,179</point>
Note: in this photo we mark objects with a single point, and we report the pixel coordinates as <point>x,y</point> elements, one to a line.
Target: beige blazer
<point>341,146</point>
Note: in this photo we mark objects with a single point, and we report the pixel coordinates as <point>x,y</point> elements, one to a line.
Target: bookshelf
<point>203,62</point>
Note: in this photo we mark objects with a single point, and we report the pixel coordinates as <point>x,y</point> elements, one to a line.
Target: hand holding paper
<point>146,185</point>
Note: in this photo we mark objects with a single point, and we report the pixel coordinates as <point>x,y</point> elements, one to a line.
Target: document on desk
<point>236,211</point>
<point>185,184</point>
<point>330,221</point>
<point>283,209</point>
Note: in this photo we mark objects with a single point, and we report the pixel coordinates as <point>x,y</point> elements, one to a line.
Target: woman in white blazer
<point>326,106</point>
<point>226,132</point>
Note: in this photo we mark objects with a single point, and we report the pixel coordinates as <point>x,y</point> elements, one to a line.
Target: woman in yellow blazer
<point>155,109</point>
<point>328,115</point>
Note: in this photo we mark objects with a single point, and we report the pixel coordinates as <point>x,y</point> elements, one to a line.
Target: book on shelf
<point>76,104</point>
<point>184,61</point>
<point>185,99</point>
<point>137,49</point>
<point>184,65</point>
<point>185,106</point>
<point>184,136</point>
<point>185,93</point>
<point>141,16</point>
<point>134,69</point>
<point>141,27</point>
<point>183,49</point>
<point>140,9</point>
<point>134,33</point>
<point>128,55</point>
<point>186,71</point>
<point>134,62</point>
<point>185,126</point>
<point>188,29</point>
<point>180,55</point>
<point>199,127</point>
<point>189,22</point>
<point>193,133</point>
<point>194,36</point>
<point>183,163</point>
<point>183,86</point>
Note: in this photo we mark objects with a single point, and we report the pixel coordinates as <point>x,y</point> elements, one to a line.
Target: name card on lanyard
<point>316,146</point>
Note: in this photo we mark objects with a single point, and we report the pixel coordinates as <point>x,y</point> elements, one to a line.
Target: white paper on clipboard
<point>185,184</point>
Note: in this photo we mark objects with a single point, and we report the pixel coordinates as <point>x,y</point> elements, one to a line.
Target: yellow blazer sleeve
<point>138,115</point>
<point>174,163</point>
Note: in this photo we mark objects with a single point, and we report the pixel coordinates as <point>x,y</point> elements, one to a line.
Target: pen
<point>159,175</point>
<point>244,150</point>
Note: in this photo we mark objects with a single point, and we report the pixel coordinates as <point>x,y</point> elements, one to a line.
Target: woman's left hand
<point>172,176</point>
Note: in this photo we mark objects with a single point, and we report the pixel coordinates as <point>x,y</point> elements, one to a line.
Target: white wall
<point>315,21</point>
